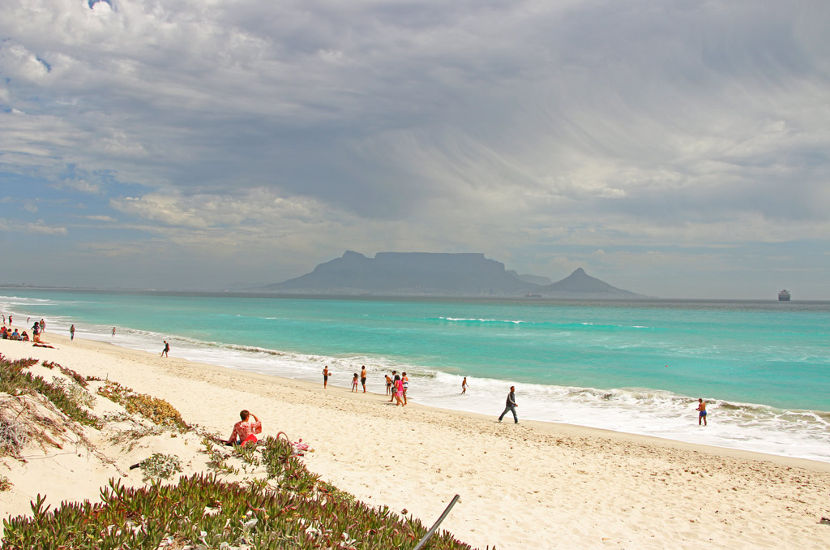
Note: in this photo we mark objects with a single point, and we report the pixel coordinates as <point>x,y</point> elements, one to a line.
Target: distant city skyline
<point>677,150</point>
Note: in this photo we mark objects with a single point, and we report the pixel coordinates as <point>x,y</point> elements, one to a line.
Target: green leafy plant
<point>203,511</point>
<point>217,459</point>
<point>247,454</point>
<point>160,466</point>
<point>76,393</point>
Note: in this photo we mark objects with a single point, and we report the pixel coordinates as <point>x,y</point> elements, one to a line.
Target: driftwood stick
<point>437,523</point>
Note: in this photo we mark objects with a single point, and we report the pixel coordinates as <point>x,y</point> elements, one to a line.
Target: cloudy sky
<point>675,148</point>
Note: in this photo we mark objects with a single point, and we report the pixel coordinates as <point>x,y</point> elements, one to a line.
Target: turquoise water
<point>764,365</point>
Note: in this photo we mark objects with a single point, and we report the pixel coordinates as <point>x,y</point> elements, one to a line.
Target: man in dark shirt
<point>511,405</point>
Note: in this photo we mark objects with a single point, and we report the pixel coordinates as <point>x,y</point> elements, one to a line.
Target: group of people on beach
<point>396,384</point>
<point>12,333</point>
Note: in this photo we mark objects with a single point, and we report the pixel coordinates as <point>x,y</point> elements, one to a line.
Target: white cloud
<point>40,227</point>
<point>81,185</point>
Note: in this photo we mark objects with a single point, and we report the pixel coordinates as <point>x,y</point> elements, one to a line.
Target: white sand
<point>531,485</point>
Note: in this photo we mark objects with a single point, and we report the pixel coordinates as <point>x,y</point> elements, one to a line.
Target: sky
<point>678,149</point>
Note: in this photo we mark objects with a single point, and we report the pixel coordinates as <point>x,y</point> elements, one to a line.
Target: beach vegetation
<point>67,372</point>
<point>218,459</point>
<point>12,435</point>
<point>247,454</point>
<point>15,380</point>
<point>156,410</point>
<point>160,466</point>
<point>128,438</point>
<point>203,511</point>
<point>279,504</point>
<point>76,393</point>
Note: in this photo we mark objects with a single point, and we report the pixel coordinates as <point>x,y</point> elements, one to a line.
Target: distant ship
<point>784,296</point>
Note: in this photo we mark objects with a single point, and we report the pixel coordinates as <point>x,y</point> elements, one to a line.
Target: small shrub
<point>156,410</point>
<point>129,438</point>
<point>5,483</point>
<point>160,466</point>
<point>12,436</point>
<point>77,394</point>
<point>217,459</point>
<point>247,453</point>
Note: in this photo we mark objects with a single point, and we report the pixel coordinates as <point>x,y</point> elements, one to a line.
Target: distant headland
<point>439,274</point>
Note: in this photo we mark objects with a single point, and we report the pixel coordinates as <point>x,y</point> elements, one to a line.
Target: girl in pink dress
<point>398,391</point>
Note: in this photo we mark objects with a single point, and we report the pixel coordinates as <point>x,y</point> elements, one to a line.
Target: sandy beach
<point>531,485</point>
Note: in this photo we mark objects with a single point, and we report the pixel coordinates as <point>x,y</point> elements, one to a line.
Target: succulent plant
<point>302,513</point>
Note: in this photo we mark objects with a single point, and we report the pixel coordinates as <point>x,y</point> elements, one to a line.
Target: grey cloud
<point>486,122</point>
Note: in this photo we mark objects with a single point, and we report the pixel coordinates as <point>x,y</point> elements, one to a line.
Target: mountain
<point>581,285</point>
<point>408,273</point>
<point>437,274</point>
<point>535,279</point>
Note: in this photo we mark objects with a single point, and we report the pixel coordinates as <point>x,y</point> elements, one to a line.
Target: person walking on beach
<point>42,326</point>
<point>404,385</point>
<point>354,383</point>
<point>113,331</point>
<point>71,333</point>
<point>464,386</point>
<point>511,405</point>
<point>363,377</point>
<point>166,349</point>
<point>388,384</point>
<point>701,415</point>
<point>326,377</point>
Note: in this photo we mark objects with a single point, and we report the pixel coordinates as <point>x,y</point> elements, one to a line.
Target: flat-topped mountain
<point>437,274</point>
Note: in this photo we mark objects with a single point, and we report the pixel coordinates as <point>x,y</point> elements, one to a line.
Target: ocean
<point>636,367</point>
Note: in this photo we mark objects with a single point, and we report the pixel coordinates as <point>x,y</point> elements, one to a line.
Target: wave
<point>469,320</point>
<point>556,325</point>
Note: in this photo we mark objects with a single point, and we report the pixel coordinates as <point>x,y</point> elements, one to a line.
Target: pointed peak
<point>578,271</point>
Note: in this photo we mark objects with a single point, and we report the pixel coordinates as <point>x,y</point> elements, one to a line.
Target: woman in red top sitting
<point>244,430</point>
